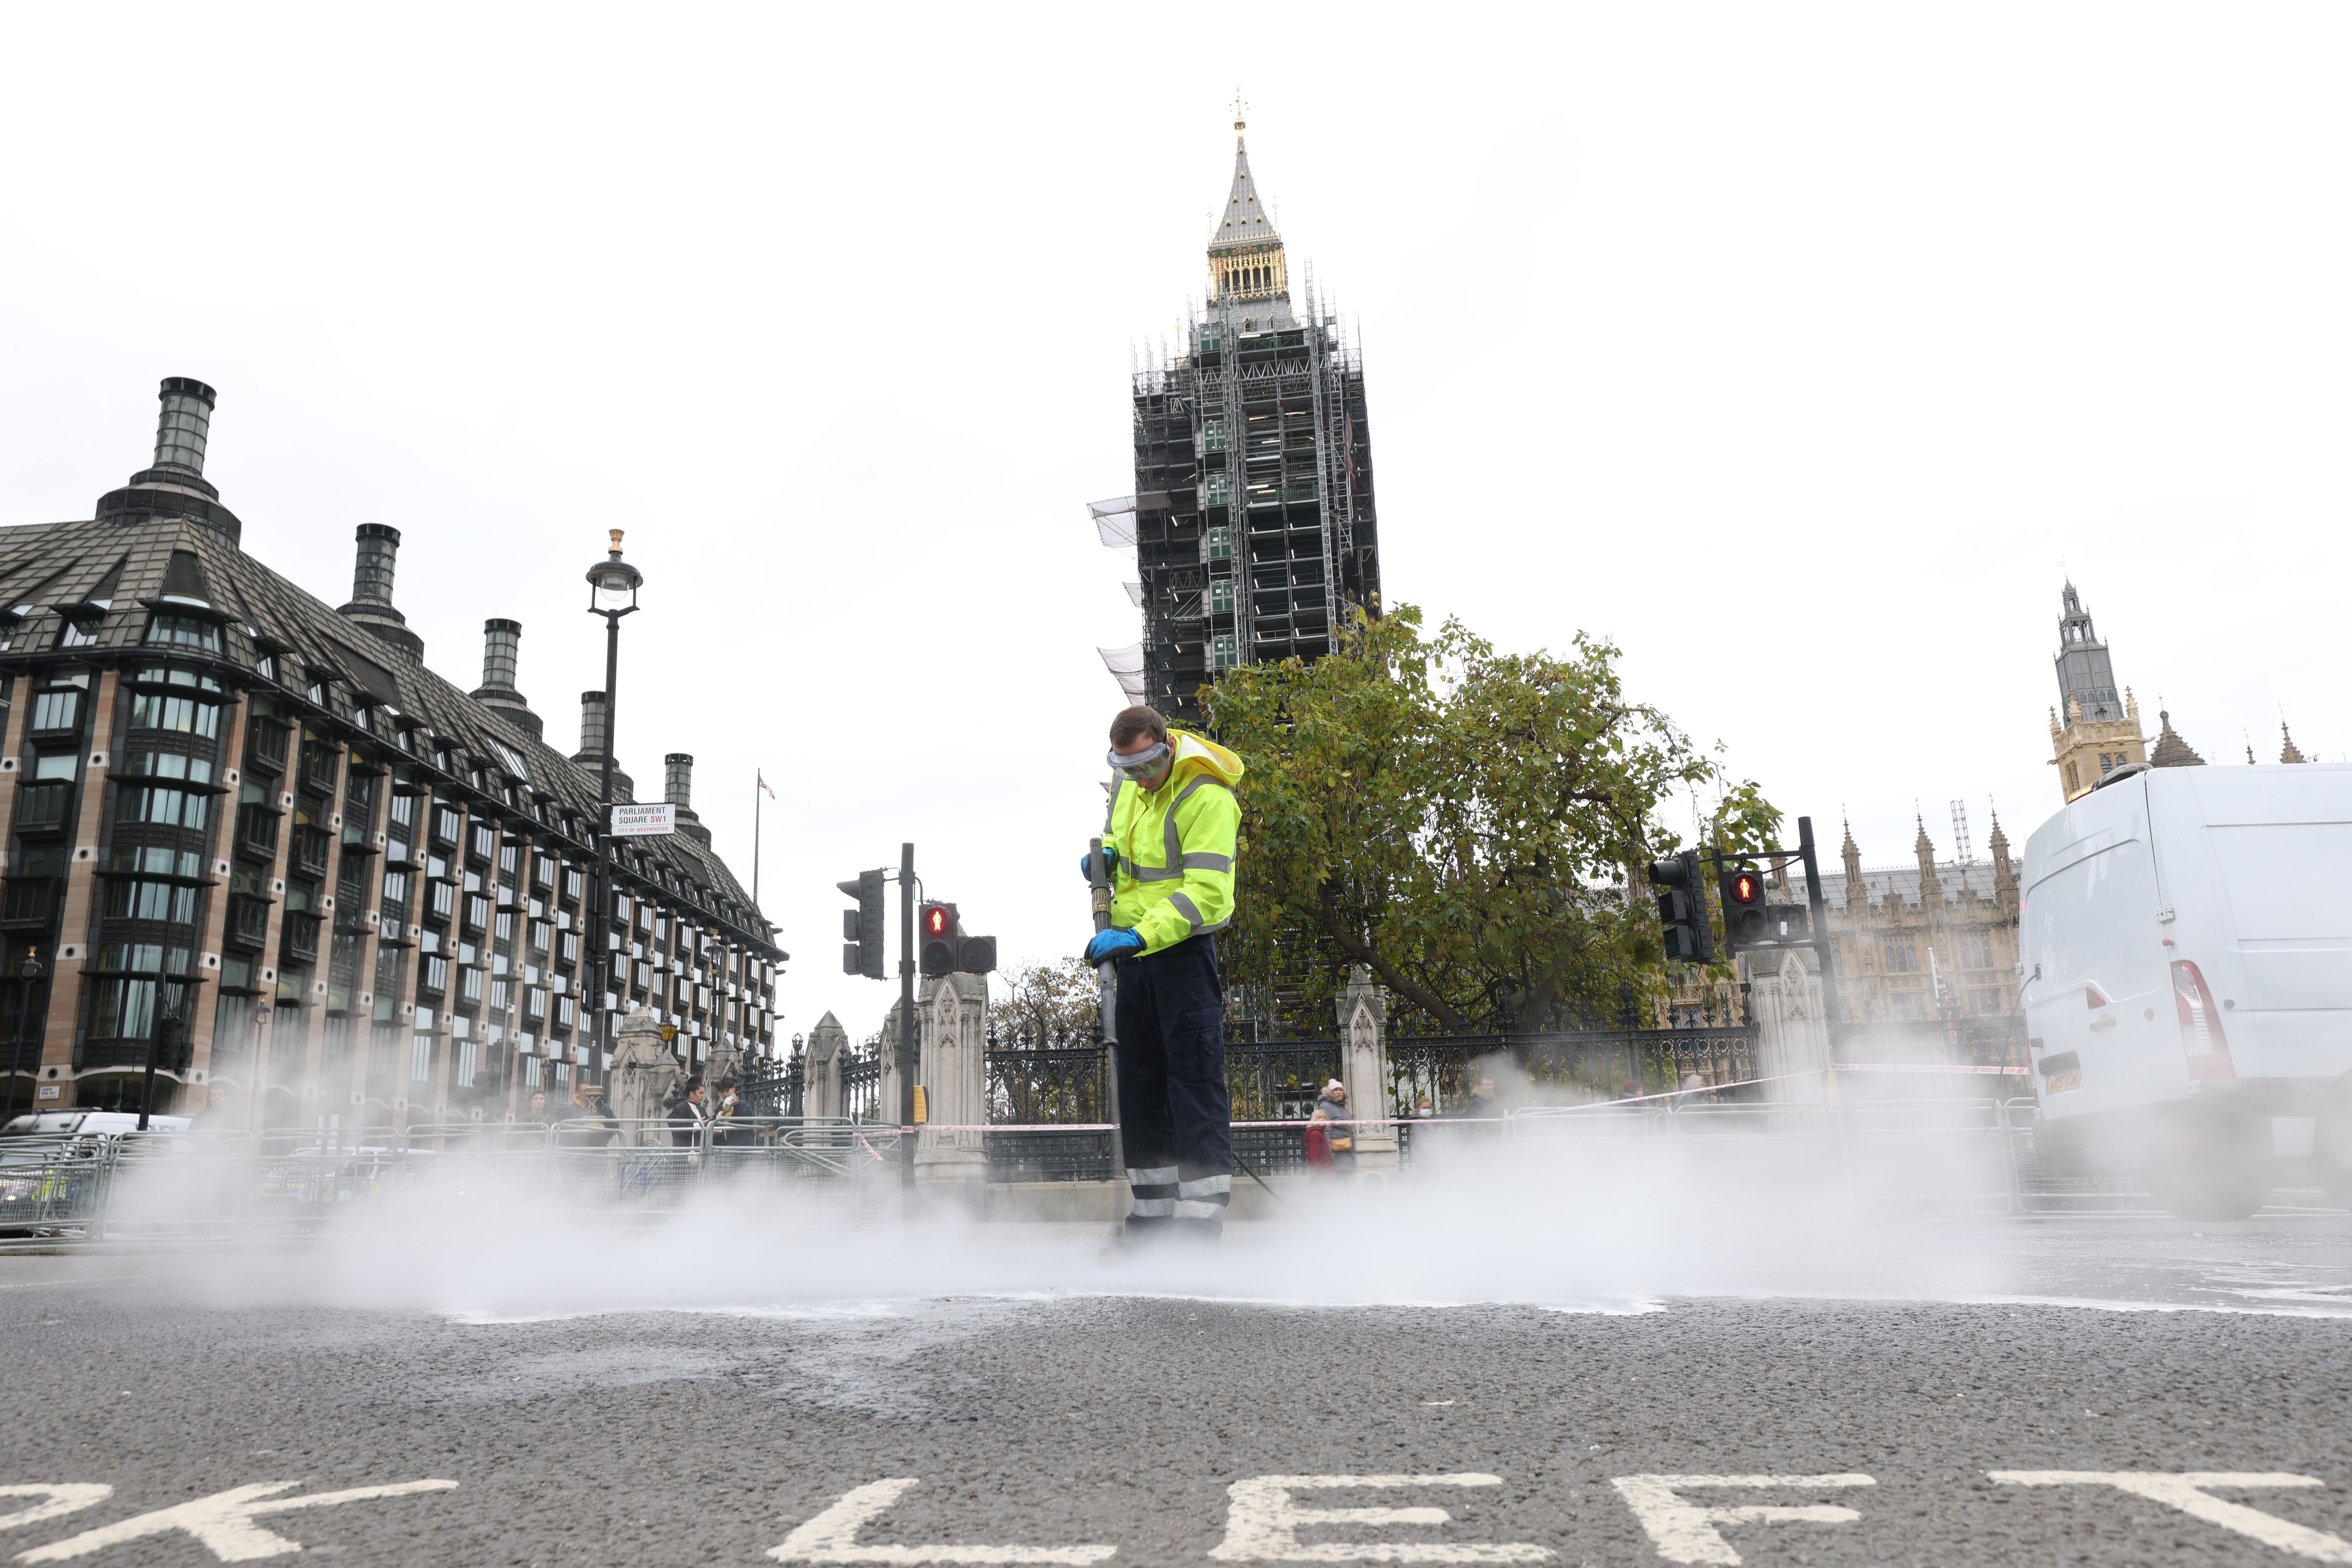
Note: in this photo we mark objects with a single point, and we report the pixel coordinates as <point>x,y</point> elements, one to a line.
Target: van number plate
<point>2060,1082</point>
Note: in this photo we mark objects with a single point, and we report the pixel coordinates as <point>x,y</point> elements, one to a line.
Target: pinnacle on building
<point>2100,732</point>
<point>1252,520</point>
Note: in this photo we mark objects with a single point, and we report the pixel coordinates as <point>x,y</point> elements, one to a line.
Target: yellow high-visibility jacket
<point>1176,843</point>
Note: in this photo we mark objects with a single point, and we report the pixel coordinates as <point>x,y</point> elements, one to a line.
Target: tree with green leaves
<point>1461,821</point>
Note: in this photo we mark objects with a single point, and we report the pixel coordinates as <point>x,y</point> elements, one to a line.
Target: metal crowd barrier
<point>287,1182</point>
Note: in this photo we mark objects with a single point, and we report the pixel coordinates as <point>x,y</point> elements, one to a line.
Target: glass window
<point>126,1010</point>
<point>56,710</point>
<point>186,631</point>
<point>58,765</point>
<point>154,710</point>
<point>167,807</point>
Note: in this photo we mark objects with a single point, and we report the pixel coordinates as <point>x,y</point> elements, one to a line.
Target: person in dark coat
<point>685,1122</point>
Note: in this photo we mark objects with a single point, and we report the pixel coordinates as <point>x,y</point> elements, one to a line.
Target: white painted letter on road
<point>1262,1524</point>
<point>2186,1491</point>
<point>832,1536</point>
<point>1685,1532</point>
<point>223,1521</point>
<point>61,1497</point>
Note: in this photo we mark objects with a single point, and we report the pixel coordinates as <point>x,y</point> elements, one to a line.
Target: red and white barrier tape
<point>1475,1121</point>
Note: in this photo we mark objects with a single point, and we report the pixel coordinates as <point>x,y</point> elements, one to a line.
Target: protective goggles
<point>1143,763</point>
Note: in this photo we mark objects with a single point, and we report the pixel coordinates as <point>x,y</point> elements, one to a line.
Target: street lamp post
<point>612,585</point>
<point>27,974</point>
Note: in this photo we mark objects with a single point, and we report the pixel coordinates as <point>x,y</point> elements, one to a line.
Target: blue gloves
<point>1116,942</point>
<point>1110,864</point>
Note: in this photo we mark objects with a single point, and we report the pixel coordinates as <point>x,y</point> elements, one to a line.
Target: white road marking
<point>1685,1532</point>
<point>1262,1522</point>
<point>2186,1491</point>
<point>63,1496</point>
<point>832,1536</point>
<point>223,1521</point>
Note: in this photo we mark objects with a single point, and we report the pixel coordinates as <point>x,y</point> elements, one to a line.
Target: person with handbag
<point>1338,1132</point>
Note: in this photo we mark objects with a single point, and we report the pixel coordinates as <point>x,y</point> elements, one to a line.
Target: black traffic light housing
<point>1682,908</point>
<point>863,928</point>
<point>941,946</point>
<point>1744,923</point>
<point>173,1050</point>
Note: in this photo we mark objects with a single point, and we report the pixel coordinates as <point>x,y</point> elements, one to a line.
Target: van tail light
<point>2093,997</point>
<point>2202,1038</point>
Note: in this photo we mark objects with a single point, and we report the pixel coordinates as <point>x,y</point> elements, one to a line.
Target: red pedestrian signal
<point>942,948</point>
<point>1744,923</point>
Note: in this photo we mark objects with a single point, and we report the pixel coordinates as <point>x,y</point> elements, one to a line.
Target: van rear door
<point>2256,864</point>
<point>2090,926</point>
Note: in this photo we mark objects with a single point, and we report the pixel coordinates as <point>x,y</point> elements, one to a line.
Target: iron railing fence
<point>1063,1154</point>
<point>861,1086</point>
<point>1600,1064</point>
<point>767,1087</point>
<point>1050,1079</point>
<point>1280,1081</point>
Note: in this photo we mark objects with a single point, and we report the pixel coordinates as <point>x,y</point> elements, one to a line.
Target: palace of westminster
<point>1937,938</point>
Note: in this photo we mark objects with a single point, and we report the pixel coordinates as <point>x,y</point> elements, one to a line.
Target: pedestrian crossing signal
<point>942,948</point>
<point>1745,922</point>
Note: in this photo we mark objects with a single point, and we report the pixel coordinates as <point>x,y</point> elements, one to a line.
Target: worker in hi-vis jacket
<point>1173,826</point>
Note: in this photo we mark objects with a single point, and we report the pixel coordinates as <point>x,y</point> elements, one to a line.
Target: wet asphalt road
<point>1062,1420</point>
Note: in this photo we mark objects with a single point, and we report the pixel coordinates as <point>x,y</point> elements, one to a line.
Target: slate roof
<point>142,562</point>
<point>1245,222</point>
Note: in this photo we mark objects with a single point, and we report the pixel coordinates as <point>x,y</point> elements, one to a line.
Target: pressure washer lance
<point>1098,879</point>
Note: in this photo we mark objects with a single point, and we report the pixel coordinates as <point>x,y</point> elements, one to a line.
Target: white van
<point>2185,942</point>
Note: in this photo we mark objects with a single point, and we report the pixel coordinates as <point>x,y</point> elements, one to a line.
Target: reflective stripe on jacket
<point>1176,847</point>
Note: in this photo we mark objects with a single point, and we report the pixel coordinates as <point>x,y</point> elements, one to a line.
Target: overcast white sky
<point>1792,347</point>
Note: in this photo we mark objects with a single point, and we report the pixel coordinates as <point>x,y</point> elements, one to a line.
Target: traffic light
<point>1744,923</point>
<point>173,1051</point>
<point>935,938</point>
<point>944,949</point>
<point>862,929</point>
<point>1682,908</point>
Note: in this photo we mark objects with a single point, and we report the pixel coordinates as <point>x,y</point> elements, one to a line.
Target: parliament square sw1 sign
<point>644,821</point>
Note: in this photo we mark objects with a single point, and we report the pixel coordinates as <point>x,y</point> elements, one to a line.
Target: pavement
<point>708,1396</point>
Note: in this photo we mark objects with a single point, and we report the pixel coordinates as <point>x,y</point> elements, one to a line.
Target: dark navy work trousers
<point>1174,1112</point>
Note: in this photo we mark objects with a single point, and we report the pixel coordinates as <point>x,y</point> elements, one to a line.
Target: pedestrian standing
<point>1318,1142</point>
<point>687,1121</point>
<point>1341,1132</point>
<point>725,1129</point>
<point>1174,830</point>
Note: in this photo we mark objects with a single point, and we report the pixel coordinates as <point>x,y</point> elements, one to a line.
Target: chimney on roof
<point>186,421</point>
<point>677,788</point>
<point>175,485</point>
<point>502,640</point>
<point>590,754</point>
<point>371,605</point>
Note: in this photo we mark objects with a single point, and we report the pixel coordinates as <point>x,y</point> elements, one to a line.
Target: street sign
<point>644,821</point>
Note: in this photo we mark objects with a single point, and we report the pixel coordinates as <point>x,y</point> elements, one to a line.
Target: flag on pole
<point>763,782</point>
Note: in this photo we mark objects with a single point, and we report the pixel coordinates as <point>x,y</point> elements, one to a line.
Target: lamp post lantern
<point>29,974</point>
<point>612,585</point>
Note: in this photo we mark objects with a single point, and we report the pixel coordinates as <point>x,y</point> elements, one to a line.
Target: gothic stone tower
<point>1253,521</point>
<point>2099,732</point>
